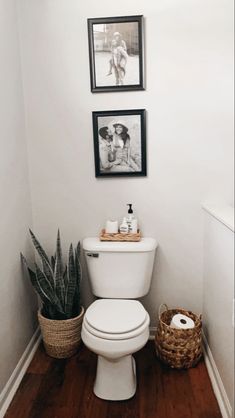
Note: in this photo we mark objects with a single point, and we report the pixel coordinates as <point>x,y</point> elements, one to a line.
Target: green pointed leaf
<point>32,275</point>
<point>58,253</point>
<point>45,290</point>
<point>44,259</point>
<point>78,249</point>
<point>65,277</point>
<point>37,287</point>
<point>48,272</point>
<point>77,296</point>
<point>72,284</point>
<point>38,247</point>
<point>53,262</point>
<point>37,284</point>
<point>78,265</point>
<point>58,272</point>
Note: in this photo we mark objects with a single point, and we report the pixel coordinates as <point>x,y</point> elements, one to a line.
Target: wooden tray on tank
<point>120,237</point>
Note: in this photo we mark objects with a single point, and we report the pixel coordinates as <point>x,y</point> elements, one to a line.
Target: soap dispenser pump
<point>130,211</point>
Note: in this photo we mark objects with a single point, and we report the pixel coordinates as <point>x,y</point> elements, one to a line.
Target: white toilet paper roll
<point>111,227</point>
<point>180,321</point>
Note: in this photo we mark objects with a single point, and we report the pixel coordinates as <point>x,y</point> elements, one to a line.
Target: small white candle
<point>111,227</point>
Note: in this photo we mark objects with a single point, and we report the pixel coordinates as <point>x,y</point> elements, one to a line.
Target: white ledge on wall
<point>224,214</point>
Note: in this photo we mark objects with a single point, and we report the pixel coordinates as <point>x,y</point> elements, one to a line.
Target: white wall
<point>189,129</point>
<point>16,299</point>
<point>218,300</point>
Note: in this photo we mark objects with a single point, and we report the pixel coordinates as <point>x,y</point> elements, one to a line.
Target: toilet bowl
<point>116,325</point>
<point>114,329</point>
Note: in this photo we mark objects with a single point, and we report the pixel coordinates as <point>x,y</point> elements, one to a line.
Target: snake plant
<point>58,286</point>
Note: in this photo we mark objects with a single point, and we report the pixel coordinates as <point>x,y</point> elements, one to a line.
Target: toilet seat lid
<point>116,316</point>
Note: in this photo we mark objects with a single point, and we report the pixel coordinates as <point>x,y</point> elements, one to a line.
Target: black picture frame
<point>112,146</point>
<point>109,63</point>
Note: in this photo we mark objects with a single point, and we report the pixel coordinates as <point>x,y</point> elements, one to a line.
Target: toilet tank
<point>120,270</point>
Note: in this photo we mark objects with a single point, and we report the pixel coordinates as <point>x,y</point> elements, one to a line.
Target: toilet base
<point>115,378</point>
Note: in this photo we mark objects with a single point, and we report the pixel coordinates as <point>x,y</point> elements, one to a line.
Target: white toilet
<point>116,325</point>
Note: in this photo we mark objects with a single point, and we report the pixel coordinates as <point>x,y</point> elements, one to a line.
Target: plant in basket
<point>58,287</point>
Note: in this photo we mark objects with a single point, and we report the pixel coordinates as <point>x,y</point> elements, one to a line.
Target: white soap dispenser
<point>134,226</point>
<point>130,216</point>
<point>124,227</point>
<point>131,220</point>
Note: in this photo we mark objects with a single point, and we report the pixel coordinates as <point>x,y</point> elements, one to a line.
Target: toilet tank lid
<point>144,245</point>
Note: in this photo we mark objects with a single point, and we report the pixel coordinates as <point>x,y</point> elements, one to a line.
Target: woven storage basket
<point>104,236</point>
<point>178,348</point>
<point>61,338</point>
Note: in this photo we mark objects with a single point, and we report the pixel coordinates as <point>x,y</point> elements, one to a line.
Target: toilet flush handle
<point>95,255</point>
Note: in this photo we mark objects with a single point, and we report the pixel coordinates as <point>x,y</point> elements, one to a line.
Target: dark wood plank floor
<point>63,389</point>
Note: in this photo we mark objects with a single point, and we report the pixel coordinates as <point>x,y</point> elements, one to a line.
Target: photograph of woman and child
<point>119,144</point>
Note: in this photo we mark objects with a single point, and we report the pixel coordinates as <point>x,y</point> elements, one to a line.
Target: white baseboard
<point>13,383</point>
<point>216,381</point>
<point>152,331</point>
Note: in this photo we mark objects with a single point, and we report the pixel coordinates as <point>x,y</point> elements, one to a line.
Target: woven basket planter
<point>61,338</point>
<point>178,348</point>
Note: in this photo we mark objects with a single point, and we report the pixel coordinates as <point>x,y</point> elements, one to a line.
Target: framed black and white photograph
<point>120,143</point>
<point>116,53</point>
